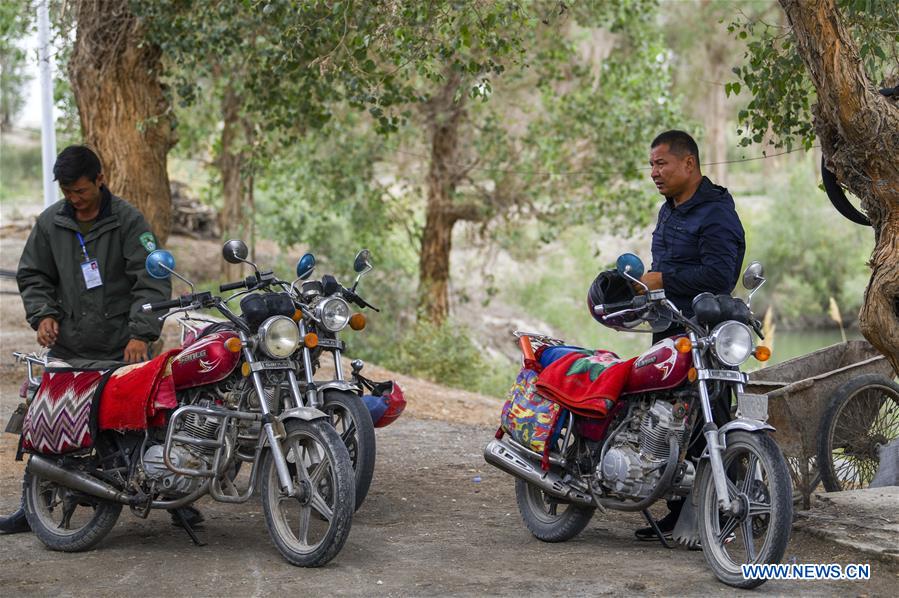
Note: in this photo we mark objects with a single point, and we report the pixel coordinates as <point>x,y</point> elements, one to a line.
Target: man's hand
<point>136,351</point>
<point>653,280</point>
<point>47,331</point>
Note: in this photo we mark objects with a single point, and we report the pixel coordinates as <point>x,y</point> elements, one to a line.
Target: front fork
<point>710,431</point>
<point>284,478</point>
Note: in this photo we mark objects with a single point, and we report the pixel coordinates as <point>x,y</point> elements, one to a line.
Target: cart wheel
<point>862,415</point>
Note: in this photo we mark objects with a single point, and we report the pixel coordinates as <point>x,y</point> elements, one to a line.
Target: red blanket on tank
<point>136,396</point>
<point>586,383</point>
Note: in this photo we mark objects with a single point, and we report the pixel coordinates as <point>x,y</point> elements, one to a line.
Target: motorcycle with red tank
<point>228,396</point>
<point>670,433</point>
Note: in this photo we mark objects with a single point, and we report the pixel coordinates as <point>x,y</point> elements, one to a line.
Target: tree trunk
<point>859,133</point>
<point>230,163</point>
<point>444,116</point>
<point>125,115</point>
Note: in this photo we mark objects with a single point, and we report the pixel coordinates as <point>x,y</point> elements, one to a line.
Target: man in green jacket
<point>82,277</point>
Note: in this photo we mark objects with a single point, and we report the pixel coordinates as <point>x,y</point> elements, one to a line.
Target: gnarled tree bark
<point>125,115</point>
<point>859,133</point>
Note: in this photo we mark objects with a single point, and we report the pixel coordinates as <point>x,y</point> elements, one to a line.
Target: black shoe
<point>666,526</point>
<point>15,523</point>
<point>190,514</point>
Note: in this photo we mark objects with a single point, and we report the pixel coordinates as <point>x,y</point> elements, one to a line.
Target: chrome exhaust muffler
<point>82,482</point>
<point>501,455</point>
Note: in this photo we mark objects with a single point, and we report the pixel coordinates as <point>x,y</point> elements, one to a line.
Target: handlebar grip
<point>230,286</point>
<point>607,308</point>
<point>148,307</point>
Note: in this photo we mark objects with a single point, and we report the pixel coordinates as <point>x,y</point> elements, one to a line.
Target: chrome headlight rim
<point>718,335</point>
<point>265,336</point>
<point>327,303</point>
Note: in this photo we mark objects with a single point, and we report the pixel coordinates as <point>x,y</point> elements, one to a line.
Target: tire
<point>541,516</point>
<point>64,519</point>
<point>724,537</point>
<point>328,494</point>
<point>351,419</point>
<point>862,414</point>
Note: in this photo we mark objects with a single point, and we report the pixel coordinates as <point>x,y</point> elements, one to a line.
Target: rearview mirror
<point>754,276</point>
<point>235,251</point>
<point>159,264</point>
<point>362,263</point>
<point>630,265</point>
<point>305,266</point>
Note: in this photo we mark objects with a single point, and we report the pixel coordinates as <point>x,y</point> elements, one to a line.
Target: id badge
<point>91,272</point>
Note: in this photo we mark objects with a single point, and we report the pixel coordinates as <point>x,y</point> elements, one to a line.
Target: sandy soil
<point>438,520</point>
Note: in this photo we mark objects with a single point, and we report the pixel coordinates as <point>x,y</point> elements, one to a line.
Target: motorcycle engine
<point>183,456</point>
<point>635,461</point>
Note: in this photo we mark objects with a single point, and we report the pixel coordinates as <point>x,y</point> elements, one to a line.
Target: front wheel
<point>351,419</point>
<point>309,527</point>
<point>548,519</point>
<point>757,532</point>
<point>64,519</point>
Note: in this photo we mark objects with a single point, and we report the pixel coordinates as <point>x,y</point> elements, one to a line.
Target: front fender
<point>322,387</point>
<point>743,423</point>
<point>307,414</point>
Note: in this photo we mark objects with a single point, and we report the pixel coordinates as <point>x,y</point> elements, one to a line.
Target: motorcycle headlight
<point>279,337</point>
<point>334,313</point>
<point>732,342</point>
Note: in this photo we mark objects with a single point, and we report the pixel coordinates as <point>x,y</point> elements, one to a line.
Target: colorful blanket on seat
<point>586,382</point>
<point>136,396</point>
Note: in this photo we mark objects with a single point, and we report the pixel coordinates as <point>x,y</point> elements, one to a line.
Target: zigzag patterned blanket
<point>59,419</point>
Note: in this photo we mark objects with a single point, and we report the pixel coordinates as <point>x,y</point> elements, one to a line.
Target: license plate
<point>330,343</point>
<point>752,406</point>
<point>725,375</point>
<point>272,365</point>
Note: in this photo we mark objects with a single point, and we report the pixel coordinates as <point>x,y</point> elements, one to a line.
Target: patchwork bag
<point>530,419</point>
<point>62,416</point>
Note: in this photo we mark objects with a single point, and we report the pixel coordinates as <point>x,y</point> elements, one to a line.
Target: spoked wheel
<point>351,419</point>
<point>309,527</point>
<point>548,519</point>
<point>758,484</point>
<point>64,519</point>
<point>862,416</point>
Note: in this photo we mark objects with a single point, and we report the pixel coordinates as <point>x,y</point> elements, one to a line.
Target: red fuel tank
<point>204,361</point>
<point>659,368</point>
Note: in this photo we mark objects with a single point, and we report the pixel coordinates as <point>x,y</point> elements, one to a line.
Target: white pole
<point>48,130</point>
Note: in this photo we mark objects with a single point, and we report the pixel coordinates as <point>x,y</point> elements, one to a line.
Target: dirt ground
<point>438,520</point>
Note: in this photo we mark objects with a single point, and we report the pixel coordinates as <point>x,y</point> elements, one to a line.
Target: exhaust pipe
<point>501,455</point>
<point>82,482</point>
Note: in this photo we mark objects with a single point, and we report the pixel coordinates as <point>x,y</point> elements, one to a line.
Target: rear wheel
<point>863,415</point>
<point>548,519</point>
<point>64,519</point>
<point>309,527</point>
<point>352,421</point>
<point>758,482</point>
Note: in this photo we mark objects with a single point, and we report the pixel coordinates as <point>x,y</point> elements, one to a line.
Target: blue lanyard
<point>83,248</point>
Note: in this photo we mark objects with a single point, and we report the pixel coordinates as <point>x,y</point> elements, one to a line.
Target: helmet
<point>610,287</point>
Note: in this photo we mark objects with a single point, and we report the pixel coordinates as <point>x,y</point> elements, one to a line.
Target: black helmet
<point>608,287</point>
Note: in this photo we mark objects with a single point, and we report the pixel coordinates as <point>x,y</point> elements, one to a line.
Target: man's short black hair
<point>679,142</point>
<point>74,162</point>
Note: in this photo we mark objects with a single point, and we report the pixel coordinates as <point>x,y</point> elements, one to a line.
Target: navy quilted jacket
<point>698,246</point>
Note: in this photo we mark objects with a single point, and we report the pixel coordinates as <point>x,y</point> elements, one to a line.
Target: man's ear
<point>100,180</point>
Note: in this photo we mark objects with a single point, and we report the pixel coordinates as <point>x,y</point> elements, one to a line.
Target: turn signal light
<point>683,345</point>
<point>762,353</point>
<point>692,374</point>
<point>357,321</point>
<point>297,315</point>
<point>245,369</point>
<point>233,344</point>
<point>310,340</point>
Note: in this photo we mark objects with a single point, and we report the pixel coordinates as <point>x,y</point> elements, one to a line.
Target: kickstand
<point>188,528</point>
<point>655,528</point>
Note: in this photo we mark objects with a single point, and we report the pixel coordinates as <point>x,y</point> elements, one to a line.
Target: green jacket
<point>94,323</point>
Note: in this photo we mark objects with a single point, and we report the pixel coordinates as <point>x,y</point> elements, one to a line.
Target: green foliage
<point>808,254</point>
<point>20,170</point>
<point>776,78</point>
<point>15,23</point>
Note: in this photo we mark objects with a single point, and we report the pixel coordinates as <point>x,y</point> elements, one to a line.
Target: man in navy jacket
<point>697,245</point>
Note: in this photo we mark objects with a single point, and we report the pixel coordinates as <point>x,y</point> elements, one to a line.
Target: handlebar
<point>182,301</point>
<point>607,308</point>
<point>230,286</point>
